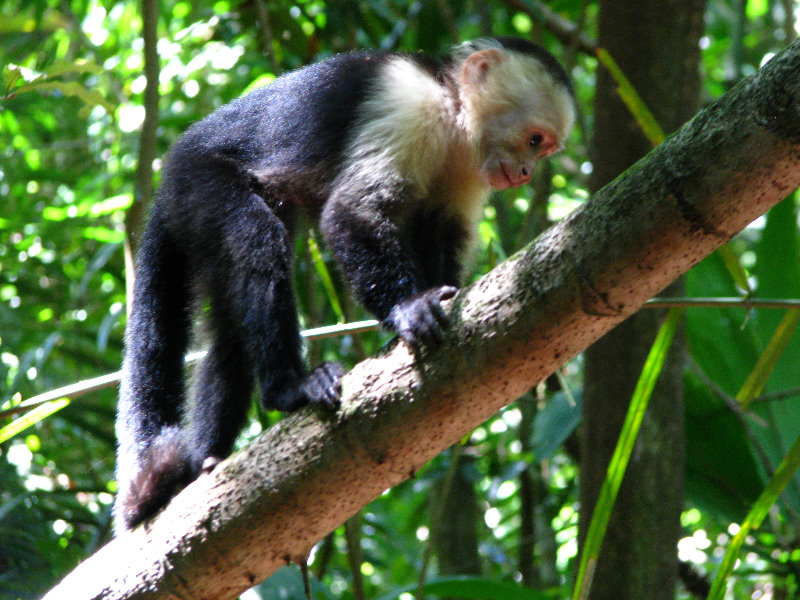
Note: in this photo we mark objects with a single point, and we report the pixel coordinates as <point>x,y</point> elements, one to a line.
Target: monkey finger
<point>323,385</point>
<point>437,313</point>
<point>435,325</point>
<point>447,291</point>
<point>334,372</point>
<point>428,328</point>
<point>409,337</point>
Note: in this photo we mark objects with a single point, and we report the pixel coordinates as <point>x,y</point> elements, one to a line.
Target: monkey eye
<point>536,140</point>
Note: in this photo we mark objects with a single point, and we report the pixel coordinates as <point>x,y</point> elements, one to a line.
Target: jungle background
<point>503,514</point>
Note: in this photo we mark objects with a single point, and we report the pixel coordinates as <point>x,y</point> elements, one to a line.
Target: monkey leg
<point>254,314</point>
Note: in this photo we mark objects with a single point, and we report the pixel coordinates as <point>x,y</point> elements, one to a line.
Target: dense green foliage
<point>71,107</point>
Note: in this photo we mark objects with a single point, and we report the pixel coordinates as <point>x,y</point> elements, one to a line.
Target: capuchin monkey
<point>394,154</point>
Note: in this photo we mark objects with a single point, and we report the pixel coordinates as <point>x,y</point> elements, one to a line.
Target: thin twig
<point>564,29</point>
<point>81,388</point>
<point>733,302</point>
<point>87,386</point>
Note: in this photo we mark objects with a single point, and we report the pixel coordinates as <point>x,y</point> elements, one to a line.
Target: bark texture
<point>299,480</point>
<point>656,44</point>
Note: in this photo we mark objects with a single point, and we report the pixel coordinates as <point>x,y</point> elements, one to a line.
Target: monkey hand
<point>321,387</point>
<point>420,320</point>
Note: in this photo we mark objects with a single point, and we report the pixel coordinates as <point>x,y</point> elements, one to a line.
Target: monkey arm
<point>363,232</point>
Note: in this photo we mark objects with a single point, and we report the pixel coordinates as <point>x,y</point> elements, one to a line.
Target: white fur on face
<point>519,86</point>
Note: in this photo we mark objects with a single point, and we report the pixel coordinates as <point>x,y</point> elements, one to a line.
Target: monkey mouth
<point>509,179</point>
<point>498,176</point>
<point>504,179</point>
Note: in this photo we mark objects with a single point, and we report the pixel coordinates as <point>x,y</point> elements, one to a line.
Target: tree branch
<point>272,501</point>
<point>568,32</point>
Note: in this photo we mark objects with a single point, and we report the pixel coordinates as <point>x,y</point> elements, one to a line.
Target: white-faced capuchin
<point>394,154</point>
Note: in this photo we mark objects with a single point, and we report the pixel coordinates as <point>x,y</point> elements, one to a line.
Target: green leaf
<point>104,235</point>
<point>55,213</point>
<point>24,73</point>
<point>777,272</point>
<point>69,88</point>
<point>718,455</point>
<point>476,588</point>
<point>650,127</point>
<point>724,347</point>
<point>31,418</point>
<point>111,205</point>
<point>70,68</point>
<point>10,77</point>
<point>755,9</point>
<point>325,276</point>
<point>777,267</point>
<point>769,358</point>
<point>735,268</point>
<point>555,423</point>
<point>776,485</point>
<point>287,584</point>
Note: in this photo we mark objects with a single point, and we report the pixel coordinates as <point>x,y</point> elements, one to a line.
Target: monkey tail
<point>165,468</point>
<point>153,458</point>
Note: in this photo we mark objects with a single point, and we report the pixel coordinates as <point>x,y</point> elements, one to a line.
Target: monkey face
<point>517,114</point>
<point>512,151</point>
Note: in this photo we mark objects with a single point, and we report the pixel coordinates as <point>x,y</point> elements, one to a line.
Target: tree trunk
<point>656,46</point>
<point>456,533</point>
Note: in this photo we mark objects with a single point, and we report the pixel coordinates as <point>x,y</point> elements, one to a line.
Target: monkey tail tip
<point>165,469</point>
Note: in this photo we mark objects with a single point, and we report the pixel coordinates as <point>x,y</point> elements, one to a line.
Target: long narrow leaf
<point>69,88</point>
<point>650,127</point>
<point>325,276</point>
<point>31,417</point>
<point>734,267</point>
<point>622,453</point>
<point>776,485</point>
<point>769,358</point>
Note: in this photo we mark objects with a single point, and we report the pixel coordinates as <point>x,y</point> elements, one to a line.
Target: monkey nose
<point>520,176</point>
<point>508,174</point>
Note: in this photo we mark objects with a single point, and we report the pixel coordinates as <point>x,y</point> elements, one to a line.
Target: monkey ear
<point>477,65</point>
